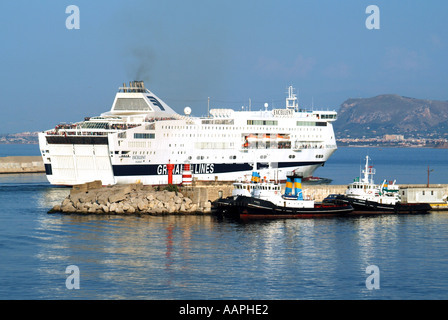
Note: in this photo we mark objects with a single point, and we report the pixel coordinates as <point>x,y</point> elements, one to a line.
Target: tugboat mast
<point>368,170</point>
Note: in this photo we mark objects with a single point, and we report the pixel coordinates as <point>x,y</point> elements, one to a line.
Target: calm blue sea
<point>203,257</point>
<point>7,150</point>
<point>406,165</point>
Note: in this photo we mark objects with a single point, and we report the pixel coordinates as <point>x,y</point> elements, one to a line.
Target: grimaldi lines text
<point>141,134</point>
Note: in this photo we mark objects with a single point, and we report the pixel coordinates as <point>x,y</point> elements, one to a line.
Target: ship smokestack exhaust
<point>135,86</point>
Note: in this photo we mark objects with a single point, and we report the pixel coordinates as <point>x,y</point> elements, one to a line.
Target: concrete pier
<point>21,164</point>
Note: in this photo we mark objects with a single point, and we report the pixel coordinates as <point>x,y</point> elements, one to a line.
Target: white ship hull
<point>71,164</point>
<point>134,142</point>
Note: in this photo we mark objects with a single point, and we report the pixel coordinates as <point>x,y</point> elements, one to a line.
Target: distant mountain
<point>19,138</point>
<point>392,114</point>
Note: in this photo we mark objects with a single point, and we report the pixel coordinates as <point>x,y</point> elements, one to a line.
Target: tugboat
<point>240,188</point>
<point>267,201</point>
<point>366,196</point>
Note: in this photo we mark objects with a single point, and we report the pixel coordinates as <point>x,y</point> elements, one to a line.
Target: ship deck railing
<point>77,129</point>
<point>80,133</point>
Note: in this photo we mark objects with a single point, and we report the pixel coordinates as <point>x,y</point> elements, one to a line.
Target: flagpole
<point>427,185</point>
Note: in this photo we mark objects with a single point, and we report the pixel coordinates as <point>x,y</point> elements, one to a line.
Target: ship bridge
<point>326,115</point>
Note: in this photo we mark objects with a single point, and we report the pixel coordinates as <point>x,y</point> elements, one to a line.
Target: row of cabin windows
<point>361,187</point>
<point>218,121</point>
<point>328,116</point>
<point>143,152</point>
<point>311,124</point>
<point>261,187</point>
<point>275,123</point>
<point>306,127</point>
<point>144,135</point>
<point>423,192</point>
<point>134,152</point>
<point>200,135</point>
<point>240,187</point>
<point>277,188</point>
<point>262,157</point>
<point>262,122</point>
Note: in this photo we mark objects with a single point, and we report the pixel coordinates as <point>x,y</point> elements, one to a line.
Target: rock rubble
<point>129,199</point>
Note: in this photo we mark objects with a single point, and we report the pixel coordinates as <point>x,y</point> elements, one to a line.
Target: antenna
<point>428,176</point>
<point>291,100</point>
<point>297,102</point>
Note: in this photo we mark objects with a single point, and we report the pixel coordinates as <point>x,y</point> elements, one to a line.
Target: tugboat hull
<point>366,206</point>
<point>249,207</point>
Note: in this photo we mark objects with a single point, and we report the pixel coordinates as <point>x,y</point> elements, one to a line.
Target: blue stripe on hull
<point>202,168</point>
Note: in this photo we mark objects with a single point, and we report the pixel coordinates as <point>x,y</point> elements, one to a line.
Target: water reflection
<point>23,178</point>
<point>202,257</point>
<point>123,250</point>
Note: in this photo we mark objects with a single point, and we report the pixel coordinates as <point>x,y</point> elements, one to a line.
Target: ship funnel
<point>293,188</point>
<point>136,86</point>
<point>255,177</point>
<point>288,187</point>
<point>298,188</point>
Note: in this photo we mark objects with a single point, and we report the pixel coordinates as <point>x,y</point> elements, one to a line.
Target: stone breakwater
<point>127,200</point>
<point>21,164</point>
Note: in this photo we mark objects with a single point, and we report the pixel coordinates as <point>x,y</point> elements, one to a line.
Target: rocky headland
<point>392,114</point>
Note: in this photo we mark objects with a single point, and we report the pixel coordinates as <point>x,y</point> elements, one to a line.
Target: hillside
<point>392,114</point>
<point>19,138</point>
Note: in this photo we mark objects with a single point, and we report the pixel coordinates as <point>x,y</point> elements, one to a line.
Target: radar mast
<point>291,101</point>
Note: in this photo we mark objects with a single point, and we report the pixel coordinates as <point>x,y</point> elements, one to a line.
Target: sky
<point>231,51</point>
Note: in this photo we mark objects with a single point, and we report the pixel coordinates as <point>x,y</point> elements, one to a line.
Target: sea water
<point>405,165</point>
<point>205,257</point>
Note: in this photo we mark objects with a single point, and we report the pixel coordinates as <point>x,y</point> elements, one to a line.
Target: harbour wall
<point>319,192</point>
<point>21,164</point>
<point>210,191</point>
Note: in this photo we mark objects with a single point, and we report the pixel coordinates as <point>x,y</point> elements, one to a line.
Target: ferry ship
<point>140,135</point>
